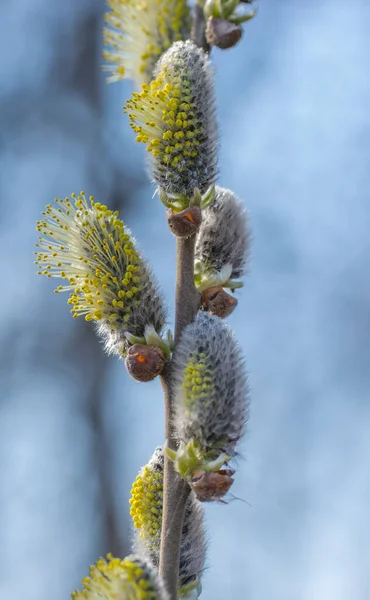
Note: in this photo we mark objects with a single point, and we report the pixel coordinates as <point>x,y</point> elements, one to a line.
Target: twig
<point>175,489</point>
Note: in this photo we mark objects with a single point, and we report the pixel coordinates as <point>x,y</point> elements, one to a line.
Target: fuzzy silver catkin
<point>149,311</point>
<point>224,236</point>
<point>146,512</point>
<point>175,117</point>
<point>211,399</point>
<point>193,544</point>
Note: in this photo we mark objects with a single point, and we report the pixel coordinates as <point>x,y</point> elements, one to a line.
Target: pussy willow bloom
<point>146,512</point>
<point>211,405</point>
<point>87,245</point>
<point>174,116</point>
<point>114,579</point>
<point>223,243</point>
<point>138,32</point>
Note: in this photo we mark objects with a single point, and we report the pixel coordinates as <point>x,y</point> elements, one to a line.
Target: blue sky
<point>293,104</point>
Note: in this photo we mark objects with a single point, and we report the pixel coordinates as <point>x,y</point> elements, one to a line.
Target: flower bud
<point>89,247</point>
<point>174,116</point>
<point>137,33</point>
<point>146,511</point>
<point>222,33</point>
<point>144,362</point>
<point>212,486</point>
<point>132,578</point>
<point>211,405</point>
<point>185,223</point>
<point>223,243</point>
<point>218,302</point>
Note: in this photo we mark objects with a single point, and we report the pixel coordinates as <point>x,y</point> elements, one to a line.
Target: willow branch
<point>175,489</point>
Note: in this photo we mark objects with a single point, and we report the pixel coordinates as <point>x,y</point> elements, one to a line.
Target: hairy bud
<point>222,33</point>
<point>223,243</point>
<point>212,486</point>
<point>132,578</point>
<point>174,116</point>
<point>89,247</point>
<point>210,399</point>
<point>218,302</point>
<point>139,32</point>
<point>185,223</point>
<point>144,362</point>
<point>146,512</point>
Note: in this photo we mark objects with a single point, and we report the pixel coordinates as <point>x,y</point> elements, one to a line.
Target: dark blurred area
<point>293,102</point>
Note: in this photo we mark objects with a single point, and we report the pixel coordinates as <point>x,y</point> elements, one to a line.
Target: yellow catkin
<point>86,244</point>
<point>174,116</point>
<point>138,32</point>
<point>128,579</point>
<point>146,500</point>
<point>172,129</point>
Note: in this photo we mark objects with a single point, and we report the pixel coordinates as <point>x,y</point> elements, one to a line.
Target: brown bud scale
<point>218,302</point>
<point>222,33</point>
<point>185,223</point>
<point>144,363</point>
<point>211,487</point>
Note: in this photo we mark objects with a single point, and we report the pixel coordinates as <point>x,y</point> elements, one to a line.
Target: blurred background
<point>294,111</point>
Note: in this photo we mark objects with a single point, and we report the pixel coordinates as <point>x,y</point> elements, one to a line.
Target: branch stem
<point>175,490</point>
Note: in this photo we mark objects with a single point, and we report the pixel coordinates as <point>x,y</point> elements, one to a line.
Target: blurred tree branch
<point>86,80</point>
